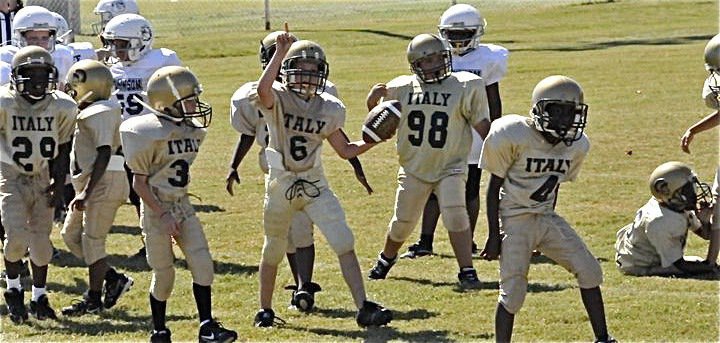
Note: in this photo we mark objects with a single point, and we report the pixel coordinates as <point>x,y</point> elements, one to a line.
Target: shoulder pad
<point>331,88</point>
<point>244,91</point>
<point>148,126</point>
<point>81,45</point>
<point>401,80</point>
<point>464,76</point>
<point>101,106</point>
<point>64,100</point>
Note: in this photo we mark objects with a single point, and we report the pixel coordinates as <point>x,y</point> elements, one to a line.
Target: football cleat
<point>265,318</point>
<point>381,268</point>
<point>16,305</point>
<point>609,339</point>
<point>304,298</point>
<point>84,306</point>
<point>468,279</point>
<point>160,336</point>
<point>115,288</point>
<point>213,331</point>
<point>41,309</point>
<point>372,314</point>
<point>417,250</point>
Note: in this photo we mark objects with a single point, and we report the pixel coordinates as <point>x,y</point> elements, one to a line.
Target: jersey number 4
<point>437,131</point>
<point>25,150</point>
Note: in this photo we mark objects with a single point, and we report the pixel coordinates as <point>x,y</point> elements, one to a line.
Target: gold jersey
<point>97,125</point>
<point>435,131</point>
<point>532,167</point>
<point>162,150</point>
<point>31,133</point>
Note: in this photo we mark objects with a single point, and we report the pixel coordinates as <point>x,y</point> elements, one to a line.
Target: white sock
<point>13,283</point>
<point>37,292</point>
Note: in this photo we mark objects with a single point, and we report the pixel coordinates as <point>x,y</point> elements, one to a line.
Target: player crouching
<point>159,148</point>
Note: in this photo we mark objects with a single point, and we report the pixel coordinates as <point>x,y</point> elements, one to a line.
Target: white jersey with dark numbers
<point>83,51</point>
<point>489,61</point>
<point>297,128</point>
<point>62,58</point>
<point>5,73</point>
<point>31,133</point>
<point>434,133</point>
<point>532,167</point>
<point>656,238</point>
<point>97,125</point>
<point>246,119</point>
<point>161,150</point>
<point>131,79</point>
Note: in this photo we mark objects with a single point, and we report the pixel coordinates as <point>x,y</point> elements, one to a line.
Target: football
<point>382,122</point>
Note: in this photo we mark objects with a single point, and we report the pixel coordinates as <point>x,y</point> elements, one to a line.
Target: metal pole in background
<point>267,15</point>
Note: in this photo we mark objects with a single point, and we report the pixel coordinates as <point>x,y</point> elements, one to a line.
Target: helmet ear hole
<point>661,187</point>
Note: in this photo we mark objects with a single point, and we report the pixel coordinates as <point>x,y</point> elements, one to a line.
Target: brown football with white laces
<point>382,122</point>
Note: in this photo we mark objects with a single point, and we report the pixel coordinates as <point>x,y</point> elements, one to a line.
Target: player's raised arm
<point>284,41</point>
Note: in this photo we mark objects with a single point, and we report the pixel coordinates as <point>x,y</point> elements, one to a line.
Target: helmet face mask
<point>34,25</point>
<point>128,37</point>
<point>33,74</point>
<point>462,26</point>
<point>430,58</point>
<point>676,186</point>
<point>304,70</point>
<point>560,120</point>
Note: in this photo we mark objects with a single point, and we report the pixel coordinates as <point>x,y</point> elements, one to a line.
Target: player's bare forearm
<point>494,241</point>
<point>694,267</point>
<point>494,102</point>
<point>241,149</point>
<point>142,188</point>
<point>710,121</point>
<point>270,73</point>
<point>99,167</point>
<point>482,128</point>
<point>346,150</point>
<point>61,163</point>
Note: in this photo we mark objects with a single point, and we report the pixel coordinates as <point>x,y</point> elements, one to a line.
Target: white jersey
<point>248,120</point>
<point>62,58</point>
<point>131,79</point>
<point>5,73</point>
<point>532,167</point>
<point>489,61</point>
<point>656,238</point>
<point>83,51</point>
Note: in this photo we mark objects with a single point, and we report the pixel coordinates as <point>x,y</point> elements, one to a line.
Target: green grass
<point>641,65</point>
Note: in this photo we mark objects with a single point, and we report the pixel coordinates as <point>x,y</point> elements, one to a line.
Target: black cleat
<point>609,339</point>
<point>381,268</point>
<point>304,299</point>
<point>160,336</point>
<point>41,309</point>
<point>16,305</point>
<point>372,314</point>
<point>468,279</point>
<point>115,288</point>
<point>84,306</point>
<point>474,249</point>
<point>213,331</point>
<point>417,250</point>
<point>265,318</point>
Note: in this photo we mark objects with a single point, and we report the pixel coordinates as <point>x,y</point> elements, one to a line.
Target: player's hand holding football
<point>170,224</point>
<point>231,178</point>
<point>492,248</point>
<point>377,92</point>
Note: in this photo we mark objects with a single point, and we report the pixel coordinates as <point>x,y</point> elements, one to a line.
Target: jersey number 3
<point>25,150</point>
<point>182,177</point>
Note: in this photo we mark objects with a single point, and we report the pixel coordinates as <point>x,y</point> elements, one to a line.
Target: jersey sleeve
<point>103,125</point>
<point>243,115</point>
<point>67,119</point>
<point>276,109</point>
<point>497,154</point>
<point>498,65</point>
<point>584,147</point>
<point>659,235</point>
<point>138,152</point>
<point>336,111</point>
<point>475,102</point>
<point>171,58</point>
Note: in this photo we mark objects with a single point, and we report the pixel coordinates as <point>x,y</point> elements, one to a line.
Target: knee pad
<point>590,275</point>
<point>512,293</point>
<point>162,283</point>
<point>201,267</point>
<point>342,240</point>
<point>74,243</point>
<point>14,249</point>
<point>455,218</point>
<point>93,248</point>
<point>400,230</point>
<point>274,250</point>
<point>41,249</point>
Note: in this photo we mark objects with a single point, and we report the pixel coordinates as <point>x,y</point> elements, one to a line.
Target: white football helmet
<point>462,25</point>
<point>34,18</point>
<point>131,28</point>
<point>559,111</point>
<point>64,34</point>
<point>108,9</point>
<point>712,64</point>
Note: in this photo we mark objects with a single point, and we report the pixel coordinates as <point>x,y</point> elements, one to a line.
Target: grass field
<point>641,65</point>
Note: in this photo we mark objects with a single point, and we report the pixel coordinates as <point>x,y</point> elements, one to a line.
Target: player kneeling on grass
<point>653,243</point>
<point>36,124</point>
<point>159,148</point>
<point>100,183</point>
<point>300,116</point>
<point>528,159</point>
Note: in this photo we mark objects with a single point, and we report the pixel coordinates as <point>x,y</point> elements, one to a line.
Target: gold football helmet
<point>305,69</point>
<point>267,46</point>
<point>89,81</point>
<point>676,185</point>
<point>559,111</point>
<point>33,72</point>
<point>174,93</point>
<point>430,58</point>
<point>712,64</point>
